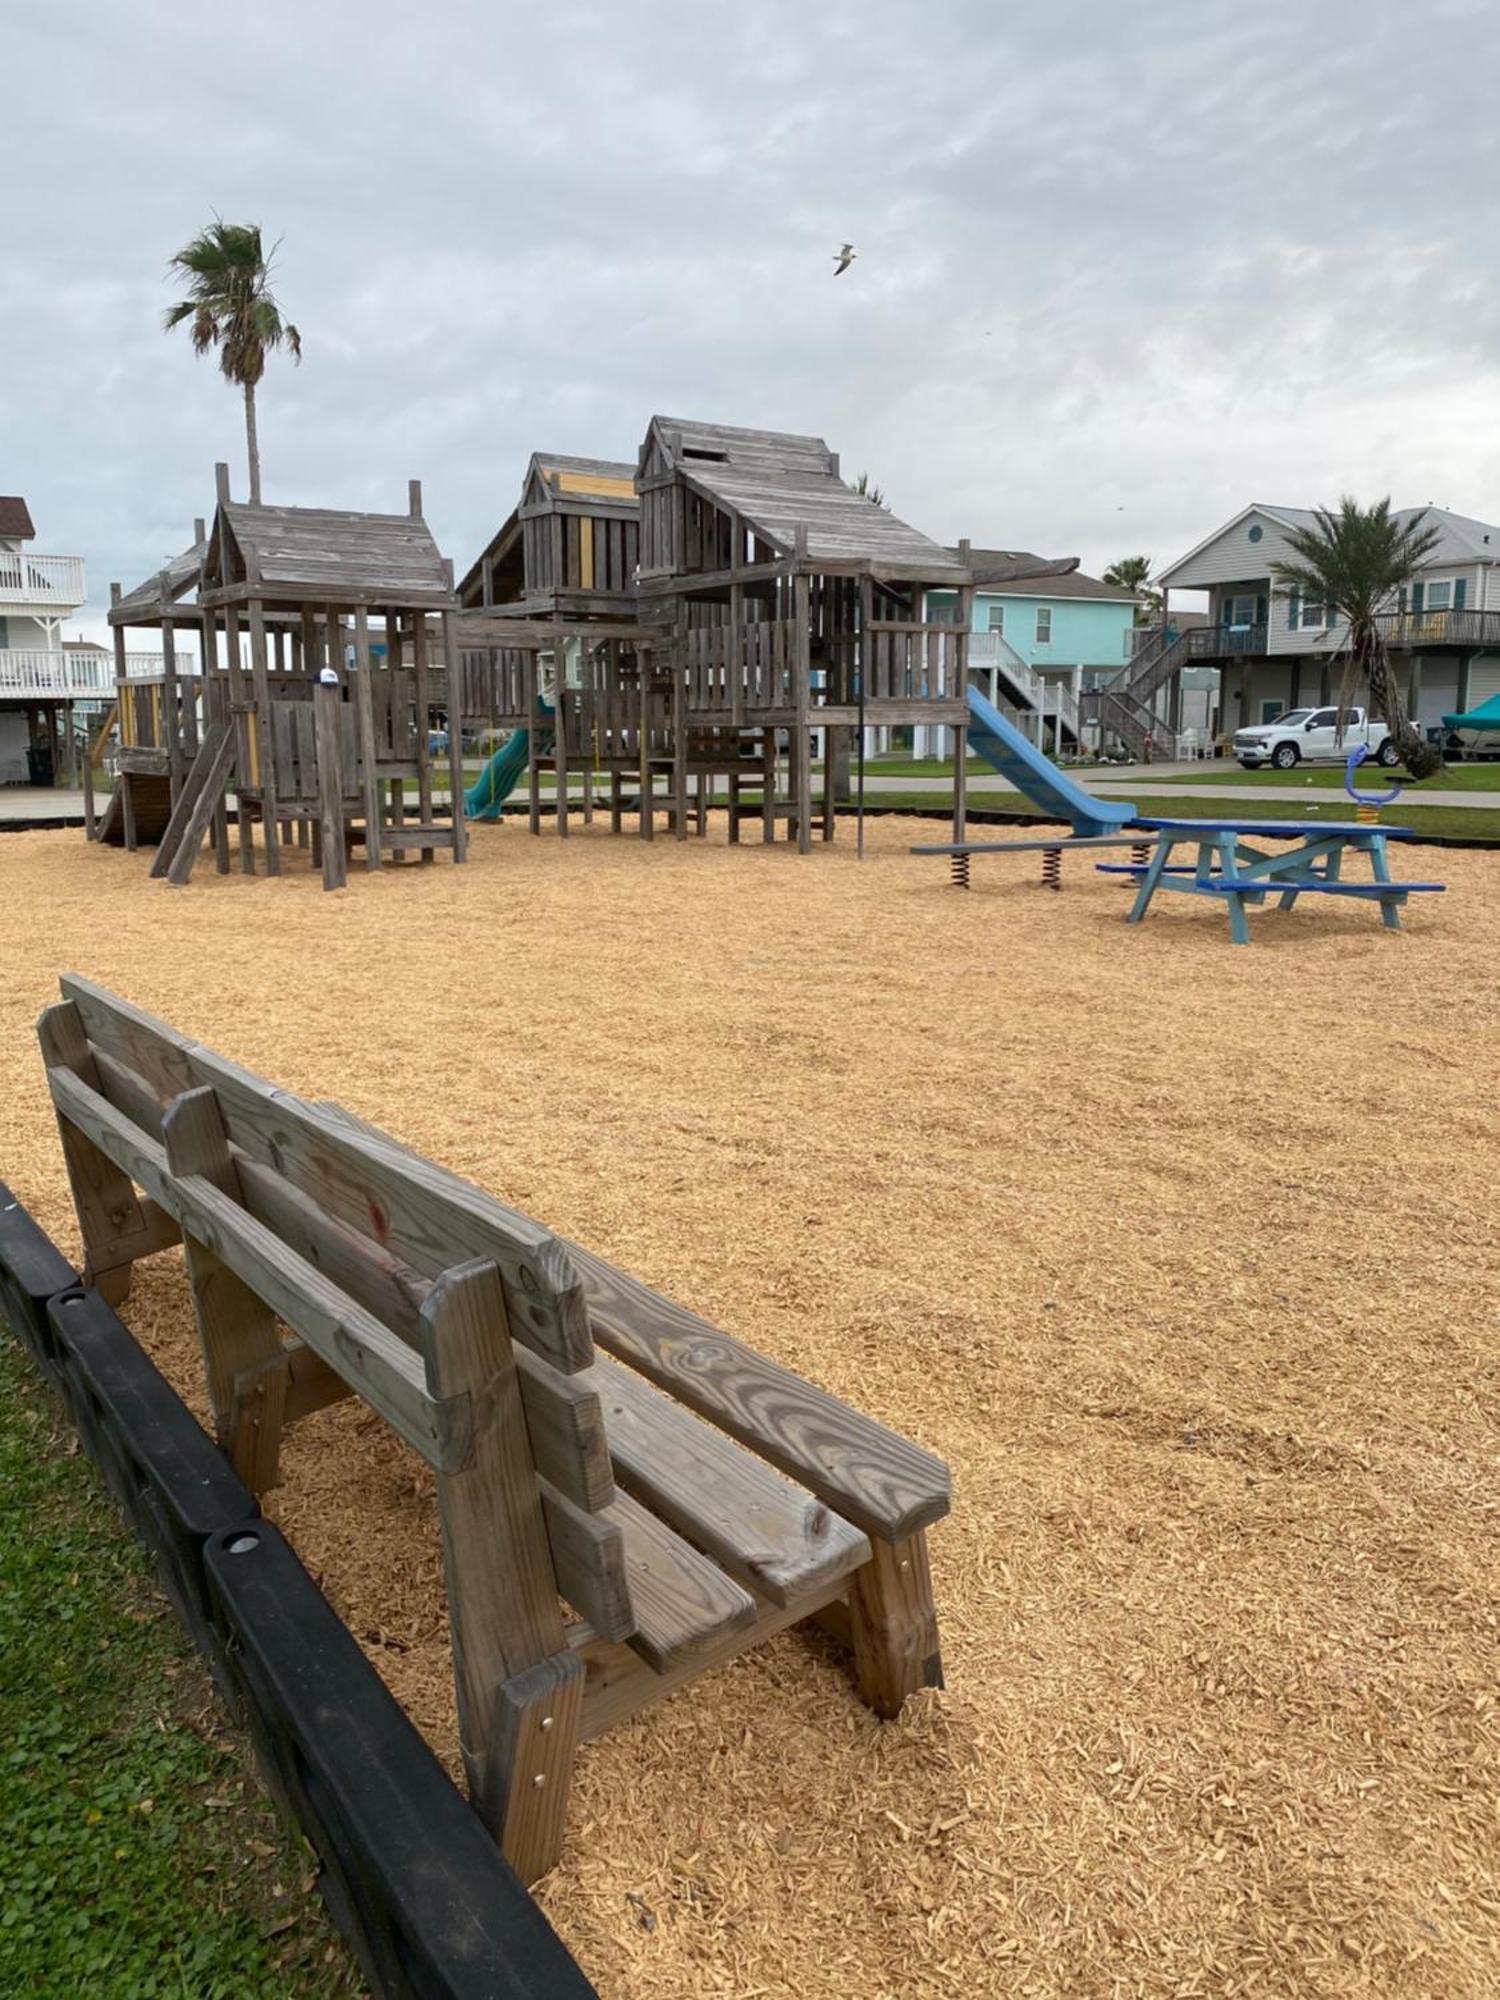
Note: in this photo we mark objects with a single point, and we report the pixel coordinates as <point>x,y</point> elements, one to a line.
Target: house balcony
<point>1401,631</point>
<point>45,585</point>
<point>37,675</point>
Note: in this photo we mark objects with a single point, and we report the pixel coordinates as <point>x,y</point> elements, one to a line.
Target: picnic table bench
<point>1229,867</point>
<point>595,1446</point>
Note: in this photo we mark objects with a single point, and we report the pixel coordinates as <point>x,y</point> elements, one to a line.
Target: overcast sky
<point>1122,268</point>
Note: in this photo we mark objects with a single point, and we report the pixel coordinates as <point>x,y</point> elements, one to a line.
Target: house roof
<point>15,518</point>
<point>1461,538</point>
<point>307,549</point>
<point>1003,565</point>
<point>779,481</point>
<point>1014,570</point>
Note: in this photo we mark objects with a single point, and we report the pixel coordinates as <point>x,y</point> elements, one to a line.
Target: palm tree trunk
<point>1418,755</point>
<point>252,444</point>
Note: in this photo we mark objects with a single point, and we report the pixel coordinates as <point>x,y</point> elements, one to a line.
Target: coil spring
<point>960,871</point>
<point>1051,868</point>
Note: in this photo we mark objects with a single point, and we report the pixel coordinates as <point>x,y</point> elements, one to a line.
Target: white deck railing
<point>1047,696</point>
<point>53,583</point>
<point>72,676</point>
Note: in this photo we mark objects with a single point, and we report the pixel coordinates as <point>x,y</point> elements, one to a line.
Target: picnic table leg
<point>1390,906</point>
<point>1239,923</point>
<point>1150,879</point>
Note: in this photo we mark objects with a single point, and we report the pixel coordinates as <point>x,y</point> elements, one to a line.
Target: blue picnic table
<point>1228,867</point>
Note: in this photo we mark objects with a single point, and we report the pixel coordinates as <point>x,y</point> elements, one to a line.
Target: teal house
<point>1044,634</point>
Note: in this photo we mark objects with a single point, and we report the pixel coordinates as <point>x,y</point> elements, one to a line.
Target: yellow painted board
<point>586,554</point>
<point>592,482</point>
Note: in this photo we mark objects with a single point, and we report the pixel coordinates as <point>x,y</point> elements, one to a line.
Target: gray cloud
<point>1121,269</point>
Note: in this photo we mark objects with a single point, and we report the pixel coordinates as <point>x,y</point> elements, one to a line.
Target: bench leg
<point>893,1625</point>
<point>515,1700</point>
<point>531,1763</point>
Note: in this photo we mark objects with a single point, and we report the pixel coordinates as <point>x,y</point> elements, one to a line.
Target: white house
<point>1278,650</point>
<point>52,689</point>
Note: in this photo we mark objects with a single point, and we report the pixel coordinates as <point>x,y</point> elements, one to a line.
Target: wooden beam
<point>364,697</point>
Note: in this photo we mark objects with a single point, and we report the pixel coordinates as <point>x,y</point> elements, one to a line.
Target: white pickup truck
<point>1306,735</point>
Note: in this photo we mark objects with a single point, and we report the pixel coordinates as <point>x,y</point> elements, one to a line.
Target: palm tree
<point>232,307</point>
<point>865,487</point>
<point>1353,563</point>
<point>1134,573</point>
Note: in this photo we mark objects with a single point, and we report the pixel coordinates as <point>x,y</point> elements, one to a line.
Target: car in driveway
<point>1312,736</point>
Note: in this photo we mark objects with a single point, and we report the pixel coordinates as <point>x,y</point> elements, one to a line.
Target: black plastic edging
<point>414,1880</point>
<point>419,1888</point>
<point>32,1271</point>
<point>169,1477</point>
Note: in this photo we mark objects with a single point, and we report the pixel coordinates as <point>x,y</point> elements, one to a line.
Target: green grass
<point>1458,822</point>
<point>138,1857</point>
<point>1330,778</point>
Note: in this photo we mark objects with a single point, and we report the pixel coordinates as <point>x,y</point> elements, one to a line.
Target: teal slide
<point>1007,751</point>
<point>502,774</point>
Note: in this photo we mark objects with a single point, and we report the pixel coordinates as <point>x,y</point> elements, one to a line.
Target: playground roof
<point>324,554</point>
<point>1016,573</point>
<point>588,478</point>
<point>778,482</point>
<point>181,572</point>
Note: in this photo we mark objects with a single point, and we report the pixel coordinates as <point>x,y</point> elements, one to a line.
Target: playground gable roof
<point>322,553</point>
<point>779,481</point>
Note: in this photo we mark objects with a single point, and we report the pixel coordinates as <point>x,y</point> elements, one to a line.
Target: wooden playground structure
<point>776,612</point>
<point>705,625</point>
<point>311,718</point>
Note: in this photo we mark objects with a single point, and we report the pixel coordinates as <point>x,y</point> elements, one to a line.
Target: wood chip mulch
<point>1185,1257</point>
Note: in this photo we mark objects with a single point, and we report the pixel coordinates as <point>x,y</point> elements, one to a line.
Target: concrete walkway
<point>1149,783</point>
<point>43,805</point>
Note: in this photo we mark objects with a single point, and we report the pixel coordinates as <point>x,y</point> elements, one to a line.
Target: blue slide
<point>1007,751</point>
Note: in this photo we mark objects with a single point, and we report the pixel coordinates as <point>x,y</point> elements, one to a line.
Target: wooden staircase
<point>1125,704</point>
<point>202,791</point>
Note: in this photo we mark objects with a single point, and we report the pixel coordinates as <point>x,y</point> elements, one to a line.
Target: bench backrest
<point>360,1246</point>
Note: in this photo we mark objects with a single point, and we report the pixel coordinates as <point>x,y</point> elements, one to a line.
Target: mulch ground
<point>1184,1257</point>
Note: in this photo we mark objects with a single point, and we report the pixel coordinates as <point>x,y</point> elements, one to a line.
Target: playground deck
<point>1213,1369</point>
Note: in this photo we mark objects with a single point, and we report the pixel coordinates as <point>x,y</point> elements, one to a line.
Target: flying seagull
<point>843,259</point>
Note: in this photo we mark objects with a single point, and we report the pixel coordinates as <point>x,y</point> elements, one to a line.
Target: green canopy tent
<point>1485,717</point>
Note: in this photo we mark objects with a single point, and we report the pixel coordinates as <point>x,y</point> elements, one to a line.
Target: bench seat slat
<point>683,1603</point>
<point>872,1476</point>
<point>772,1535</point>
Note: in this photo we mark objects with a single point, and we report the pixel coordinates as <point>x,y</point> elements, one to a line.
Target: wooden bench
<point>592,1442</point>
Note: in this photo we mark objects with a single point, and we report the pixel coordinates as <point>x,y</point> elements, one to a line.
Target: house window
<point>1044,625</point>
<point>995,614</point>
<point>1314,617</point>
<point>1239,613</point>
<point>1440,596</point>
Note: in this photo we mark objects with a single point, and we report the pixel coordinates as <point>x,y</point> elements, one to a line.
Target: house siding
<point>1086,632</point>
